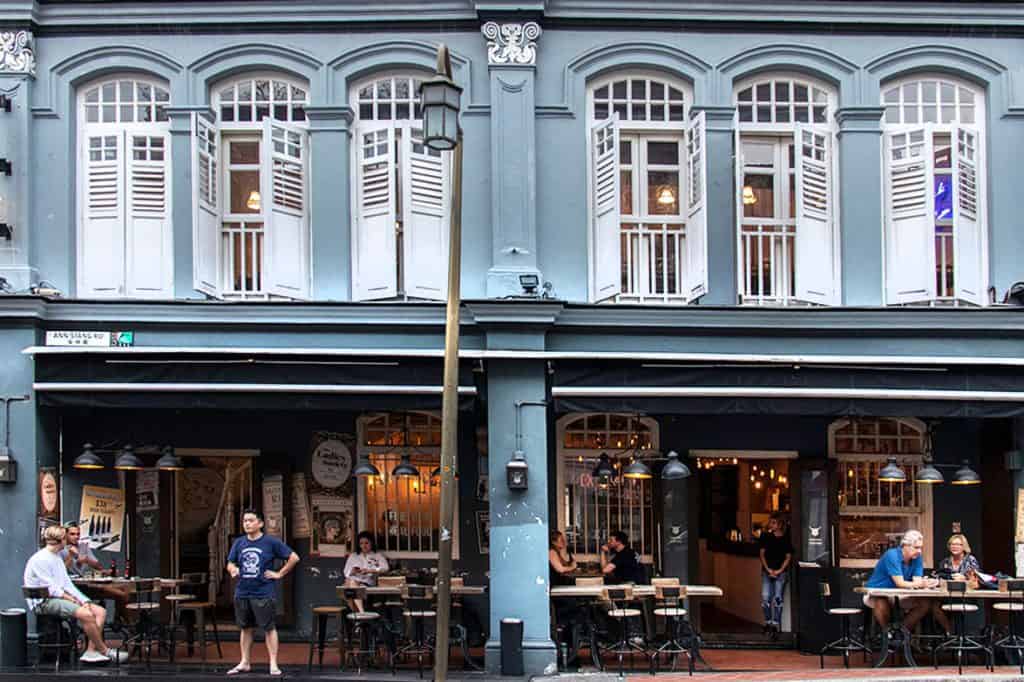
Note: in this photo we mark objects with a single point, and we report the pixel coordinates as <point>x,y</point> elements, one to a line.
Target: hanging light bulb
<point>169,461</point>
<point>892,472</point>
<point>965,475</point>
<point>666,197</point>
<point>128,460</point>
<point>253,202</point>
<point>365,468</point>
<point>748,196</point>
<point>405,467</point>
<point>637,470</point>
<point>604,469</point>
<point>928,474</point>
<point>88,459</point>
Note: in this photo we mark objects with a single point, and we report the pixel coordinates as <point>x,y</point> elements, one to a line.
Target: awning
<point>266,379</point>
<point>893,389</point>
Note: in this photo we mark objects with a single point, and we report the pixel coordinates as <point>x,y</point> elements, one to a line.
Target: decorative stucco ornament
<point>511,43</point>
<point>16,54</point>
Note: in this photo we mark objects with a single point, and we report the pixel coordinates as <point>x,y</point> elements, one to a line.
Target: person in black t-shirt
<point>620,563</point>
<point>776,555</point>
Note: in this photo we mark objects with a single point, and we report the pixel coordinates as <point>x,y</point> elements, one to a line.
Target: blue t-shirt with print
<point>253,557</point>
<point>892,564</point>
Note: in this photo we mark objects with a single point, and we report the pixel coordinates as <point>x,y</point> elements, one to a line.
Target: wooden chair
<point>847,643</point>
<point>197,584</point>
<point>64,633</point>
<point>669,596</point>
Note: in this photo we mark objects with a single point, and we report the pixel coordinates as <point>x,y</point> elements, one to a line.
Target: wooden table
<point>395,590</point>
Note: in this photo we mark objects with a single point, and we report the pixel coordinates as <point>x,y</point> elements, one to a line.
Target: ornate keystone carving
<point>16,54</point>
<point>511,43</point>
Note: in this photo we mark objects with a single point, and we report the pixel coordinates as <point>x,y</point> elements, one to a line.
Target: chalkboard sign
<point>814,528</point>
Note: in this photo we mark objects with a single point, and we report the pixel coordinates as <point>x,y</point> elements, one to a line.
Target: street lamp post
<point>440,99</point>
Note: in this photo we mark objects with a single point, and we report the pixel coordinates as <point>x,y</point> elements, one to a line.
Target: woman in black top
<point>776,554</point>
<point>561,560</point>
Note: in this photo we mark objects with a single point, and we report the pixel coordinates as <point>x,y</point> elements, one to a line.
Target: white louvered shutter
<point>283,178</point>
<point>910,216</point>
<point>426,192</point>
<point>148,233</point>
<point>206,207</point>
<point>968,216</point>
<point>375,259</point>
<point>815,215</point>
<point>604,178</point>
<point>102,250</point>
<point>696,284</point>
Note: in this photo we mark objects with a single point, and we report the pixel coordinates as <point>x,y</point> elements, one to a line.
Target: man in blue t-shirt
<point>250,560</point>
<point>901,567</point>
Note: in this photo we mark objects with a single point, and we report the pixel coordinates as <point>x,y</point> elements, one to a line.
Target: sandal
<point>239,669</point>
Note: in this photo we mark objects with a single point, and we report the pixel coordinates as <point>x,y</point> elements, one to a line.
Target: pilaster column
<point>512,57</point>
<point>721,204</point>
<point>19,263</point>
<point>860,204</point>
<point>330,216</point>
<point>182,201</point>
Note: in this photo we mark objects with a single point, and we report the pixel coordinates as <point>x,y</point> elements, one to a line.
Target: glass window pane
<point>298,94</point>
<point>675,112</point>
<point>657,90</point>
<point>663,153</point>
<point>763,187</point>
<point>384,88</point>
<point>601,92</point>
<point>619,89</point>
<point>262,91</point>
<point>892,115</point>
<point>782,92</point>
<point>746,95</point>
<point>127,113</point>
<point>625,152</point>
<point>675,95</point>
<point>626,192</point>
<point>800,93</point>
<point>108,92</point>
<point>244,152</point>
<point>657,112</point>
<point>245,188</point>
<point>966,96</point>
<point>280,91</point>
<point>892,96</point>
<point>910,92</point>
<point>639,89</point>
<point>966,114</point>
<point>638,112</point>
<point>245,91</point>
<point>928,92</point>
<point>948,93</point>
<point>127,90</point>
<point>663,192</point>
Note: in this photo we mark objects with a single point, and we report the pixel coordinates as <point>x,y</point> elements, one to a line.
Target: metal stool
<point>1013,607</point>
<point>197,584</point>
<point>590,624</point>
<point>146,603</point>
<point>418,608</point>
<point>361,624</point>
<point>174,599</point>
<point>318,636</point>
<point>669,594</point>
<point>960,642</point>
<point>847,642</point>
<point>620,596</point>
<point>64,641</point>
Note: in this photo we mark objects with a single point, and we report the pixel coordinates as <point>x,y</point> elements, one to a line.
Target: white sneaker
<point>117,655</point>
<point>94,657</point>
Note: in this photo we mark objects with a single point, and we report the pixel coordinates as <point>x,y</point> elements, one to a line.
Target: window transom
<point>389,98</point>
<point>639,99</point>
<point>931,100</point>
<point>250,100</point>
<point>125,100</point>
<point>783,100</point>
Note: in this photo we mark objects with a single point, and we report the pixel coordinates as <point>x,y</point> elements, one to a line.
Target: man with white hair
<point>901,567</point>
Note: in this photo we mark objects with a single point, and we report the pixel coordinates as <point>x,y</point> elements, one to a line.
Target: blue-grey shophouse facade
<point>779,240</point>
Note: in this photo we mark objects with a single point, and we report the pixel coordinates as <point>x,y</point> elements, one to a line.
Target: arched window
<point>251,208</point>
<point>589,509</point>
<point>647,171</point>
<point>401,191</point>
<point>873,515</point>
<point>788,201</point>
<point>124,170</point>
<point>935,228</point>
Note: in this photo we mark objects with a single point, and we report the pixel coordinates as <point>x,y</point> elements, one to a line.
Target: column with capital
<point>18,262</point>
<point>512,59</point>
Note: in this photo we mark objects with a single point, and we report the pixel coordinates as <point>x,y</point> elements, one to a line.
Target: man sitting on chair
<point>901,567</point>
<point>46,569</point>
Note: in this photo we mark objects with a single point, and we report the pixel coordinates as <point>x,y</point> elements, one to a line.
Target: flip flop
<point>239,669</point>
<point>276,673</point>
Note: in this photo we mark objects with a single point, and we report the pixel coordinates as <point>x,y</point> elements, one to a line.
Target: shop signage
<point>90,339</point>
<point>102,517</point>
<point>332,463</point>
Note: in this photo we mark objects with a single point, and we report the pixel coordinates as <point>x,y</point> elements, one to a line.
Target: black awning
<point>260,380</point>
<point>790,389</point>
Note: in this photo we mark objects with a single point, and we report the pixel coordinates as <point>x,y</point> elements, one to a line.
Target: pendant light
<point>666,197</point>
<point>169,461</point>
<point>674,470</point>
<point>892,472</point>
<point>88,459</point>
<point>965,475</point>
<point>604,469</point>
<point>637,470</point>
<point>405,467</point>
<point>128,460</point>
<point>364,468</point>
<point>749,198</point>
<point>254,201</point>
<point>928,474</point>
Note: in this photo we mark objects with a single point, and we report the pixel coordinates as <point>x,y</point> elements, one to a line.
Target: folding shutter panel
<point>206,207</point>
<point>283,177</point>
<point>101,269</point>
<point>149,253</point>
<point>737,157</point>
<point>375,260</point>
<point>968,223</point>
<point>604,174</point>
<point>696,284</point>
<point>815,205</point>
<point>910,219</point>
<point>426,195</point>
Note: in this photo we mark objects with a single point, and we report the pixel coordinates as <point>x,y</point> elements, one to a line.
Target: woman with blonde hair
<point>960,564</point>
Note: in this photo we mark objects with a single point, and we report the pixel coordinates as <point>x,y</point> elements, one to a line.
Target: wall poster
<point>102,517</point>
<point>273,505</point>
<point>333,526</point>
<point>301,524</point>
<point>483,531</point>
<point>147,490</point>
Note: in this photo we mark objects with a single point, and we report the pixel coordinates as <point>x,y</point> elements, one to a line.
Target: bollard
<point>13,638</point>
<point>512,647</point>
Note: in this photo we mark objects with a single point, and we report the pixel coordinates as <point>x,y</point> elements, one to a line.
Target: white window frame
<point>124,130</point>
<point>364,450</point>
<point>229,131</point>
<point>924,512</point>
<point>671,240</point>
<point>590,456</point>
<point>745,130</point>
<point>942,128</point>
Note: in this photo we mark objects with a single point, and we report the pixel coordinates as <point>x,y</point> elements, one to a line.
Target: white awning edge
<point>170,387</point>
<point>781,392</point>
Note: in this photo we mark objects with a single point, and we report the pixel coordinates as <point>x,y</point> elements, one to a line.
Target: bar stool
<point>318,637</point>
<point>620,596</point>
<point>418,608</point>
<point>847,642</point>
<point>960,642</point>
<point>590,623</point>
<point>144,602</point>
<point>65,641</point>
<point>197,584</point>
<point>1013,606</point>
<point>391,609</point>
<point>668,595</point>
<point>362,623</point>
<point>174,599</point>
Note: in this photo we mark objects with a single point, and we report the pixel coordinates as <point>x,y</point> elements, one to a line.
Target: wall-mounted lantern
<point>517,472</point>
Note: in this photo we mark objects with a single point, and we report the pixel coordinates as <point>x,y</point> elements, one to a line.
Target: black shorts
<point>251,613</point>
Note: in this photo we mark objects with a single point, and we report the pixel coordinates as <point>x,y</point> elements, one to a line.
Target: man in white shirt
<point>46,569</point>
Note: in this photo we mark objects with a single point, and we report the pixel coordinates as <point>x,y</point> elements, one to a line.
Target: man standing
<point>249,560</point>
<point>776,555</point>
<point>901,567</point>
<point>620,563</point>
<point>46,569</point>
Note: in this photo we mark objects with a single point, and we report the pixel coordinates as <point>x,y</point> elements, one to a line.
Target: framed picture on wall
<point>483,531</point>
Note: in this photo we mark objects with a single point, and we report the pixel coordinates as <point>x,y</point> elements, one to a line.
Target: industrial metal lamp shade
<point>128,460</point>
<point>928,474</point>
<point>88,459</point>
<point>674,470</point>
<point>405,468</point>
<point>892,472</point>
<point>169,461</point>
<point>604,468</point>
<point>637,470</point>
<point>364,468</point>
<point>965,475</point>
